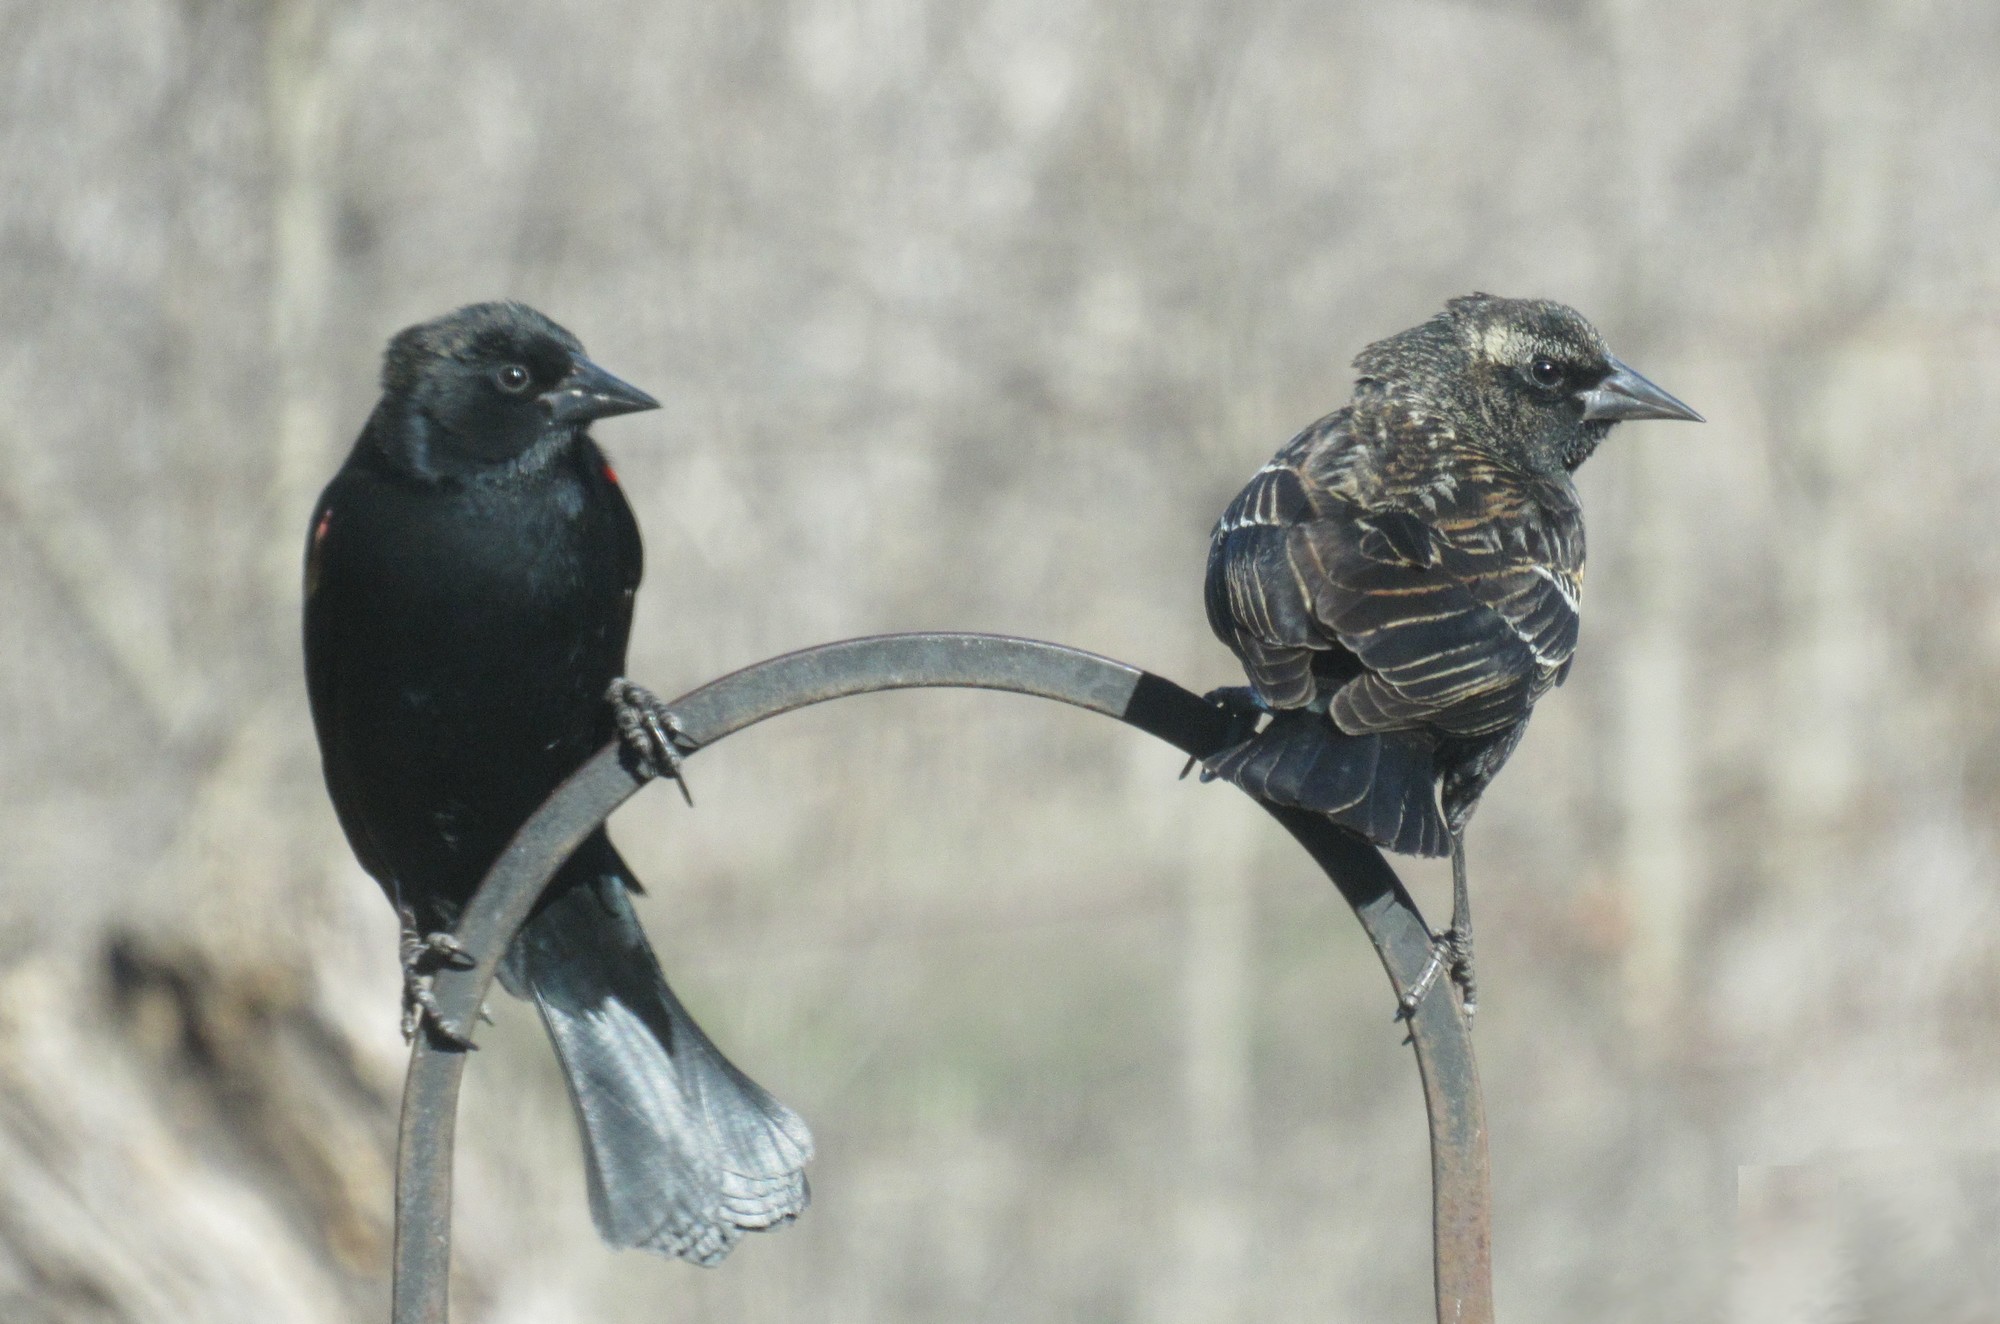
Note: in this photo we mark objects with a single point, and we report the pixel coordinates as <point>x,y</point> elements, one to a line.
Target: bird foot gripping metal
<point>423,955</point>
<point>1450,950</point>
<point>1246,713</point>
<point>650,732</point>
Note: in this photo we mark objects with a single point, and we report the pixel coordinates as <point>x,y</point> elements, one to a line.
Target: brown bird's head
<point>1529,379</point>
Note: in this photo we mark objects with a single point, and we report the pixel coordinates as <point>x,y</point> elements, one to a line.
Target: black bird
<point>1402,580</point>
<point>470,573</point>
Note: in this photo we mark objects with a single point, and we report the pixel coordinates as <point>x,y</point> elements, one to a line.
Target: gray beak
<point>1624,394</point>
<point>589,392</point>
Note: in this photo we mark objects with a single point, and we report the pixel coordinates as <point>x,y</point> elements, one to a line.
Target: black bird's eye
<point>513,379</point>
<point>1546,373</point>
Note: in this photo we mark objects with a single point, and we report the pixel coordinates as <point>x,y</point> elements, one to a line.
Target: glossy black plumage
<point>1402,582</point>
<point>470,576</point>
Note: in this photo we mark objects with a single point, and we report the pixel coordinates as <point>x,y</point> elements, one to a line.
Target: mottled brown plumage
<point>1403,580</point>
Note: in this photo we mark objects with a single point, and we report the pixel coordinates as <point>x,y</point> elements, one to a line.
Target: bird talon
<point>1414,996</point>
<point>651,732</point>
<point>423,954</point>
<point>1450,951</point>
<point>1245,710</point>
<point>1207,775</point>
<point>421,1011</point>
<point>445,950</point>
<point>1459,943</point>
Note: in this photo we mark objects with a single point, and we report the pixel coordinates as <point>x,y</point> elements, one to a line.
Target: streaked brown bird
<point>1402,581</point>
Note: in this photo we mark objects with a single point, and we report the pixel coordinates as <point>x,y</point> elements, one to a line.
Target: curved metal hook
<point>1459,1171</point>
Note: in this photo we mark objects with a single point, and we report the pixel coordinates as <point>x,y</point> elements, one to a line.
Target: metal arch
<point>1460,1183</point>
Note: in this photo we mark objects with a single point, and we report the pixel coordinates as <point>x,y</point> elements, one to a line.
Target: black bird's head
<point>489,386</point>
<point>1528,377</point>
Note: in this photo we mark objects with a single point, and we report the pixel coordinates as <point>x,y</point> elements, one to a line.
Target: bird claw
<point>423,955</point>
<point>1245,709</point>
<point>651,732</point>
<point>1450,950</point>
<point>433,949</point>
<point>421,1011</point>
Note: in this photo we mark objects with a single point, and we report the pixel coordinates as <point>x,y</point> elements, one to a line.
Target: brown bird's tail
<point>684,1152</point>
<point>1383,786</point>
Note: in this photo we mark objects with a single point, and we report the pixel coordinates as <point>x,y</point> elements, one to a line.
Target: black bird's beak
<point>590,392</point>
<point>1624,394</point>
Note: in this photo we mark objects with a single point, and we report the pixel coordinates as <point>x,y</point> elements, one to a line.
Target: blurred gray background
<point>973,315</point>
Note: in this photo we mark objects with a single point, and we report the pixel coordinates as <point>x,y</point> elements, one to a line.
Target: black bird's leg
<point>651,731</point>
<point>1246,708</point>
<point>1453,947</point>
<point>423,954</point>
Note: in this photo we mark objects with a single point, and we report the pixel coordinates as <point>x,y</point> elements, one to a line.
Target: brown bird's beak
<point>1624,395</point>
<point>589,392</point>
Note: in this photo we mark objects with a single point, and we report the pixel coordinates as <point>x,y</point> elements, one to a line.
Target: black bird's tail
<point>1383,785</point>
<point>684,1152</point>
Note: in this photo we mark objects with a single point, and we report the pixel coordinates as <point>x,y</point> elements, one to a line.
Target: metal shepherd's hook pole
<point>1459,1171</point>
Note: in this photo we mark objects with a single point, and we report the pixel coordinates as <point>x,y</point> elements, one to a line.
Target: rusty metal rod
<point>1459,1169</point>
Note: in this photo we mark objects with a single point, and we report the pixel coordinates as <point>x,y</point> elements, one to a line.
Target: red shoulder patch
<point>315,554</point>
<point>610,474</point>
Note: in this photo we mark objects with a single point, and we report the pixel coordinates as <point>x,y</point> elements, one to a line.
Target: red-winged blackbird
<point>470,573</point>
<point>1402,580</point>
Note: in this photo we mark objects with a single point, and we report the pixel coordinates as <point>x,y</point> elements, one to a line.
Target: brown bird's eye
<point>1547,373</point>
<point>513,379</point>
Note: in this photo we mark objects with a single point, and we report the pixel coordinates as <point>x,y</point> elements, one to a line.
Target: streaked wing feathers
<point>1460,616</point>
<point>1256,602</point>
<point>1466,647</point>
<point>1395,537</point>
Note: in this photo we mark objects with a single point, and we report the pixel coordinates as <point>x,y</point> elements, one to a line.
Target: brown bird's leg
<point>1453,947</point>
<point>1460,934</point>
<point>650,731</point>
